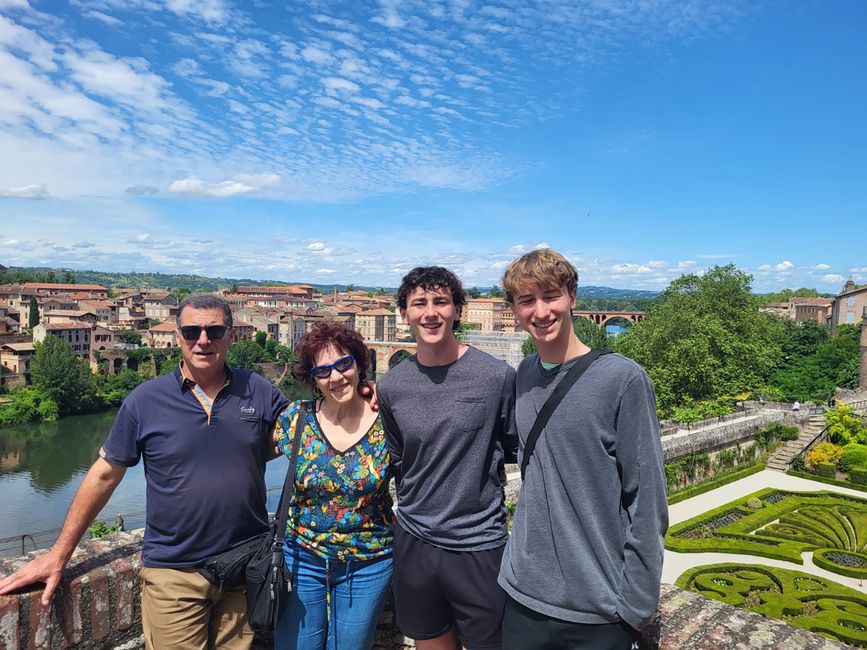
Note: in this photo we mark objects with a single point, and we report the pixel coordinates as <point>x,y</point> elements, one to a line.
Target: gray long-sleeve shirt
<point>587,537</point>
<point>449,429</point>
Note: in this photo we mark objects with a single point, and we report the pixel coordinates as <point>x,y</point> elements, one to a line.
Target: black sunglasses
<point>193,332</point>
<point>341,365</point>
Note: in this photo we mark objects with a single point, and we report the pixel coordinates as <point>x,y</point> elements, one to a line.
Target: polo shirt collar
<point>186,383</point>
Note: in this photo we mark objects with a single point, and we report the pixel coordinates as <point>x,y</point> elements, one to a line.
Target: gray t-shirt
<point>587,537</point>
<point>449,430</point>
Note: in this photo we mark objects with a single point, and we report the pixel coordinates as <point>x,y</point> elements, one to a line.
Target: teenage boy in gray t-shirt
<point>584,561</point>
<point>448,413</point>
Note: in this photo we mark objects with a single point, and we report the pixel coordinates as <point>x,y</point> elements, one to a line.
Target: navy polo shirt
<point>204,472</point>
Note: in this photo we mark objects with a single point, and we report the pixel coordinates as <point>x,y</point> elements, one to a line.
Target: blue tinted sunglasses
<point>341,365</point>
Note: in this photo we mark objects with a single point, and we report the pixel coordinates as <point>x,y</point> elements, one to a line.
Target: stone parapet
<point>96,606</point>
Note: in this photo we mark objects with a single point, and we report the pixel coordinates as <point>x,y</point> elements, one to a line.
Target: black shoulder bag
<point>553,402</point>
<point>269,580</point>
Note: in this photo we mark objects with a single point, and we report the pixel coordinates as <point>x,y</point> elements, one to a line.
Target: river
<point>42,464</point>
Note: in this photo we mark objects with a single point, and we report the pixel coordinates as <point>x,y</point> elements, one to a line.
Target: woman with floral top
<point>339,532</point>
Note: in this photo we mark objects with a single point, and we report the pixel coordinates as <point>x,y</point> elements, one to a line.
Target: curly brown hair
<point>322,336</point>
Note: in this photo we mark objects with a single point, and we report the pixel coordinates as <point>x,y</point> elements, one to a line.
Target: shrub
<point>827,470</point>
<point>798,463</point>
<point>845,426</point>
<point>789,433</point>
<point>854,455</point>
<point>858,475</point>
<point>824,452</point>
<point>754,504</point>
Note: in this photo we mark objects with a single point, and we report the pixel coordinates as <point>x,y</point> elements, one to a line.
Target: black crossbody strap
<point>282,512</point>
<point>554,400</point>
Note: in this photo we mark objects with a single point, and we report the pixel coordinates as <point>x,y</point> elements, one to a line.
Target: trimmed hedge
<point>829,481</point>
<point>802,600</point>
<point>701,488</point>
<point>858,475</point>
<point>826,470</point>
<point>803,521</point>
<point>821,559</point>
<point>854,455</point>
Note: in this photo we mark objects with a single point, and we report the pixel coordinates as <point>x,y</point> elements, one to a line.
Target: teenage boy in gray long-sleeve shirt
<point>448,414</point>
<point>583,565</point>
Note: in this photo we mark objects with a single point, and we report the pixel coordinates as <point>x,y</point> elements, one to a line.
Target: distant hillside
<point>171,281</point>
<point>615,294</point>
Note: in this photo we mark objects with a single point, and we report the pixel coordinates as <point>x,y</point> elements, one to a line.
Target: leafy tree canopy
<point>816,376</point>
<point>704,338</point>
<point>58,373</point>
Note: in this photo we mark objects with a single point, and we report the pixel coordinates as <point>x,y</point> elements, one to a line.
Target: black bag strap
<point>553,402</point>
<point>281,515</point>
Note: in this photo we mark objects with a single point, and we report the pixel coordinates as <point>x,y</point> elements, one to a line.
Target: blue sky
<point>349,141</point>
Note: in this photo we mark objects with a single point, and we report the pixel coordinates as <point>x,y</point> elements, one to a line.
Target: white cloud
<point>832,277</point>
<point>822,267</point>
<point>783,266</point>
<point>212,11</point>
<point>240,184</point>
<point>36,191</point>
<point>316,246</point>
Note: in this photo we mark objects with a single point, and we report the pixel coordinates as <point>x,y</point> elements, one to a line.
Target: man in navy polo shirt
<point>204,432</point>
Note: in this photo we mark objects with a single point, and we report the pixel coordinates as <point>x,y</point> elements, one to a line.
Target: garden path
<point>676,563</point>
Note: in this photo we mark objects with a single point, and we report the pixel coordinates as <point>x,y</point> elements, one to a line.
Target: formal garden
<point>800,599</point>
<point>782,525</point>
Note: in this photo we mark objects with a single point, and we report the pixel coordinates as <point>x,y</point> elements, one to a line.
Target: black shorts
<point>526,629</point>
<point>435,589</point>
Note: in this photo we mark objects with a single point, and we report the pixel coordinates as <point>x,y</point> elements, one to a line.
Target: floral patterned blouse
<point>341,509</point>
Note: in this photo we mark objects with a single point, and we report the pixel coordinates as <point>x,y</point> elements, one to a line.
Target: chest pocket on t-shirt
<point>469,413</point>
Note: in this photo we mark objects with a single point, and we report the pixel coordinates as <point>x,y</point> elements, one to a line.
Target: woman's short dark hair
<point>432,277</point>
<point>206,301</point>
<point>322,336</point>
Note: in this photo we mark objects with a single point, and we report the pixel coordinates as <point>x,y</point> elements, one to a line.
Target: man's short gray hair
<point>206,301</point>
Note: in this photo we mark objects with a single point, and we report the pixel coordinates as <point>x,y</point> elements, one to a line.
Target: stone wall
<point>98,608</point>
<point>727,433</point>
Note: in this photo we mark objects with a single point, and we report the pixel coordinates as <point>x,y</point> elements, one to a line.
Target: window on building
<point>850,301</point>
<point>850,317</point>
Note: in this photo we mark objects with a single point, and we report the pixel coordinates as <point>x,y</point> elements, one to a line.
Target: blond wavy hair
<point>544,268</point>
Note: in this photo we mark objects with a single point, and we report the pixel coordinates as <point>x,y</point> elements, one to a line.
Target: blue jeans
<point>358,590</point>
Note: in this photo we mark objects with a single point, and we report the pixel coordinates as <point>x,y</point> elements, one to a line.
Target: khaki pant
<point>181,609</point>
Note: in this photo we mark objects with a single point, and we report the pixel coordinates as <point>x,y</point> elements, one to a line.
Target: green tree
<point>816,376</point>
<point>800,339</point>
<point>33,319</point>
<point>58,373</point>
<point>474,292</point>
<point>261,338</point>
<point>246,354</point>
<point>496,292</point>
<point>129,336</point>
<point>590,333</point>
<point>68,277</point>
<point>234,288</point>
<point>27,403</point>
<point>703,339</point>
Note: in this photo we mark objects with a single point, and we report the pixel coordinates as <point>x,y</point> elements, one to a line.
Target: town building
<point>76,334</point>
<point>801,309</point>
<point>489,315</point>
<point>101,339</point>
<point>376,324</point>
<point>849,304</point>
<point>16,357</point>
<point>260,322</point>
<point>160,305</point>
<point>162,335</point>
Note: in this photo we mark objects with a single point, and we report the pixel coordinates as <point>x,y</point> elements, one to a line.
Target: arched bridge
<point>602,317</point>
<point>384,355</point>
